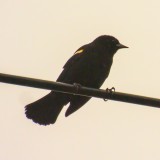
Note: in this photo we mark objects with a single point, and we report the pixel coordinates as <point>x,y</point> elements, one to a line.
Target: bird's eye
<point>114,41</point>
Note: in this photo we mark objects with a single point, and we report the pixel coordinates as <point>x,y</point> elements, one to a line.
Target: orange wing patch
<point>79,51</point>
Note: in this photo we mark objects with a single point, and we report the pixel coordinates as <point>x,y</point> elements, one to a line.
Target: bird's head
<point>109,43</point>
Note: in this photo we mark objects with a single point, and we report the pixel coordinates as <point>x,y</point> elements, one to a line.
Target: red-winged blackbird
<point>89,66</point>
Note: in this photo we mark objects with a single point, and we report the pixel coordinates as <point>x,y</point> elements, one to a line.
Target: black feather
<point>89,66</point>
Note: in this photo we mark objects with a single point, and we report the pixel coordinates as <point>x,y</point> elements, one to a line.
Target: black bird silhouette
<point>89,66</point>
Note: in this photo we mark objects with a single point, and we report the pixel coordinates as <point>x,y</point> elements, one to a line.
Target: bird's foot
<point>110,92</point>
<point>77,87</point>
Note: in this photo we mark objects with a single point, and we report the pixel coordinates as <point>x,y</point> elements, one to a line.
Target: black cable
<point>80,90</point>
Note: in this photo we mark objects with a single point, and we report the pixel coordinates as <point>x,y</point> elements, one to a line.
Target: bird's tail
<point>46,110</point>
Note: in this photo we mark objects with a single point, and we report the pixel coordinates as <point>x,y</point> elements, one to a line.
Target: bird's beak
<point>120,46</point>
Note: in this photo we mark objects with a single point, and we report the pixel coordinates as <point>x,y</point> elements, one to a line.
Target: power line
<point>83,91</point>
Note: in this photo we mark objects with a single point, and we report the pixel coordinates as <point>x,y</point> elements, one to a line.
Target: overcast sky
<point>36,39</point>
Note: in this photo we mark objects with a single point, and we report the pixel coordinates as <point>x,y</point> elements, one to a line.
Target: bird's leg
<point>77,87</point>
<point>110,92</point>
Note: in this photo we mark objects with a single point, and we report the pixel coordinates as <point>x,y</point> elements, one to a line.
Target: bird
<point>89,66</point>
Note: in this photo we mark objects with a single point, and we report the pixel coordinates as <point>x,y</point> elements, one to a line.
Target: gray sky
<point>36,39</point>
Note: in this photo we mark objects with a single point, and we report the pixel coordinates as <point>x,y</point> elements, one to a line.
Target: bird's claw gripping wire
<point>110,92</point>
<point>77,87</point>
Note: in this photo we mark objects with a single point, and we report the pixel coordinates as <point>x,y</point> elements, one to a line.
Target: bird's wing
<point>71,62</point>
<point>75,56</point>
